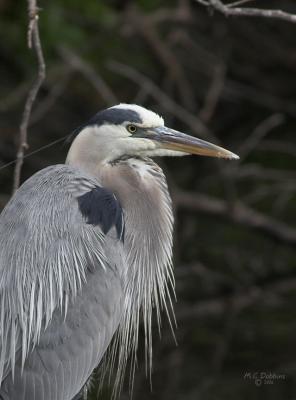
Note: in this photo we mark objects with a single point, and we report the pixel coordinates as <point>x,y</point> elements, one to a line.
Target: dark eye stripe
<point>115,116</point>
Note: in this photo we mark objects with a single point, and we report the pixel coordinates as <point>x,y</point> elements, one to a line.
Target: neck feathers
<point>140,186</point>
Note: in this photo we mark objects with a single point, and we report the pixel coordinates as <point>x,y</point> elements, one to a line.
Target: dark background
<point>228,80</point>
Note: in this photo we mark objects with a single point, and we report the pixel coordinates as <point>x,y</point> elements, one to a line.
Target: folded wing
<point>61,266</point>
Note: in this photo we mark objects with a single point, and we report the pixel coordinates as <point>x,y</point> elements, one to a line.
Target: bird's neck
<point>140,186</point>
<point>91,152</point>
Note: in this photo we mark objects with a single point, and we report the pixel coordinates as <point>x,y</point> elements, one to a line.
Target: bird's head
<point>132,130</point>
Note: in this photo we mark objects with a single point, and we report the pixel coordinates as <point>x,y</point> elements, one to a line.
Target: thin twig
<point>213,94</point>
<point>257,172</point>
<point>259,133</point>
<point>278,146</point>
<point>239,3</point>
<point>33,42</point>
<point>141,24</point>
<point>191,120</point>
<point>239,214</point>
<point>238,301</point>
<point>55,91</point>
<point>77,63</point>
<point>229,10</point>
<point>203,2</point>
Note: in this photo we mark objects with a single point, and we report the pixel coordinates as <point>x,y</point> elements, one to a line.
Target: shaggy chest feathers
<point>140,186</point>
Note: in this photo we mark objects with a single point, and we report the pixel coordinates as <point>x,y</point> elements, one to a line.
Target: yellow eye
<point>132,128</point>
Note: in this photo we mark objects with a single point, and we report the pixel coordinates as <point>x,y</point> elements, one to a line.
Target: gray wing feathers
<point>70,348</point>
<point>53,276</point>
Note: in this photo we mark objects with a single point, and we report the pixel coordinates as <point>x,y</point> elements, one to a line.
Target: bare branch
<point>181,13</point>
<point>255,171</point>
<point>55,91</point>
<point>33,42</point>
<point>146,26</point>
<point>266,126</point>
<point>238,213</point>
<point>229,10</point>
<point>90,74</point>
<point>195,124</point>
<point>278,146</point>
<point>203,2</point>
<point>239,3</point>
<point>238,301</point>
<point>213,95</point>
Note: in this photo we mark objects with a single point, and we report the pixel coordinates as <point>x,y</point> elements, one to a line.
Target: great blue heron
<point>85,252</point>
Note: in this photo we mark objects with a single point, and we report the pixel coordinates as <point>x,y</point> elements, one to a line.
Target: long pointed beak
<point>178,141</point>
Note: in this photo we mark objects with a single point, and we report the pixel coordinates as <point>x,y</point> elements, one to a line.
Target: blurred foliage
<point>235,280</point>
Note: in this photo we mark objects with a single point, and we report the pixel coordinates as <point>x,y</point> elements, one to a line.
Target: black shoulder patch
<point>100,207</point>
